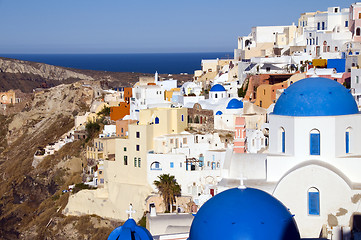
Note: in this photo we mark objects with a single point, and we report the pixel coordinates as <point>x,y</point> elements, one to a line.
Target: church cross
<point>242,186</point>
<point>130,211</point>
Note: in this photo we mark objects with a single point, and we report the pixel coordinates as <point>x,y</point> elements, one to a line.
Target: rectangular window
<point>182,118</point>
<point>323,25</point>
<point>125,160</point>
<point>346,23</point>
<point>171,164</point>
<point>171,141</point>
<point>139,160</point>
<point>137,148</point>
<point>314,203</point>
<point>184,140</point>
<point>315,144</point>
<point>137,134</point>
<point>135,162</point>
<point>347,142</point>
<point>125,149</point>
<point>318,26</point>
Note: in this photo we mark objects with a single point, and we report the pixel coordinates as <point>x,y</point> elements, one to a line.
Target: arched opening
<point>190,119</point>
<point>315,142</point>
<point>196,119</point>
<point>282,142</point>
<point>313,201</point>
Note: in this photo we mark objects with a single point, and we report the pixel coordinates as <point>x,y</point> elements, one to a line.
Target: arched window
<point>282,142</point>
<point>358,31</point>
<point>155,166</point>
<point>313,201</point>
<point>347,139</point>
<point>315,142</point>
<point>156,121</point>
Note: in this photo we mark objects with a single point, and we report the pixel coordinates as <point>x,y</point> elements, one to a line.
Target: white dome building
<point>217,92</point>
<point>313,162</point>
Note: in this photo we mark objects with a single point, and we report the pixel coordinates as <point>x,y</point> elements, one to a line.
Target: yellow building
<point>268,94</point>
<point>7,97</point>
<point>103,148</point>
<point>169,94</point>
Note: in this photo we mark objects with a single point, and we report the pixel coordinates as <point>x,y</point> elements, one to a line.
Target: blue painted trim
<point>314,203</point>
<point>347,136</point>
<point>283,142</point>
<point>314,144</point>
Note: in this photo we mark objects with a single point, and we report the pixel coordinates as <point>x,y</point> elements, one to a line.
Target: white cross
<point>130,211</point>
<point>242,186</point>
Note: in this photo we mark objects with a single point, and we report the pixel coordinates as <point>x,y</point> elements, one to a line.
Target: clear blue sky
<point>127,26</point>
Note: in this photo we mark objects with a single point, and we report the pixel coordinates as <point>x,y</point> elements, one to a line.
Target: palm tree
<point>168,188</point>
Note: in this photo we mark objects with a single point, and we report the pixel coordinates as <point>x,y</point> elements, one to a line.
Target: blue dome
<point>128,229</point>
<point>218,88</point>
<point>235,104</point>
<point>219,113</point>
<point>243,214</point>
<point>315,97</point>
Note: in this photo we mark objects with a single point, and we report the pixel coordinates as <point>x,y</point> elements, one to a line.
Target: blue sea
<point>138,62</point>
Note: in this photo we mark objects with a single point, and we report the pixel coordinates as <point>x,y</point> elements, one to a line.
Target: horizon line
<point>69,53</point>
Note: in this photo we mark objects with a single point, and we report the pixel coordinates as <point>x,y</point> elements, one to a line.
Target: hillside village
<point>282,116</point>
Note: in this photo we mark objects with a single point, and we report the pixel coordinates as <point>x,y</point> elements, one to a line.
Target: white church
<point>313,164</point>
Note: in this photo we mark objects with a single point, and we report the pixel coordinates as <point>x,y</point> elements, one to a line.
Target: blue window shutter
<point>182,118</point>
<point>314,203</point>
<point>315,144</point>
<point>283,142</point>
<point>347,142</point>
<point>171,164</point>
<point>156,120</point>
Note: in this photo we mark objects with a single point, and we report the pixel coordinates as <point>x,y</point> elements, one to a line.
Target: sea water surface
<point>137,62</point>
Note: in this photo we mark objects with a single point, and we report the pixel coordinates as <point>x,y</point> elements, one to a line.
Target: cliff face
<point>43,70</point>
<point>25,76</point>
<point>31,199</point>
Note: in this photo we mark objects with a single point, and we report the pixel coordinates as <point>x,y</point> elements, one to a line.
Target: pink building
<point>240,136</point>
<point>355,21</point>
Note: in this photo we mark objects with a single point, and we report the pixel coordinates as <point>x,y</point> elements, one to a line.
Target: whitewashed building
<point>312,165</point>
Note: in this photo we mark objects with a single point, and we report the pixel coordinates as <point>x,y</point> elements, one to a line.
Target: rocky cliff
<point>31,199</point>
<point>42,70</point>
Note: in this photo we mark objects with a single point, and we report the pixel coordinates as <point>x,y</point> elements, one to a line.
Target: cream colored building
<point>125,179</point>
<point>103,148</point>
